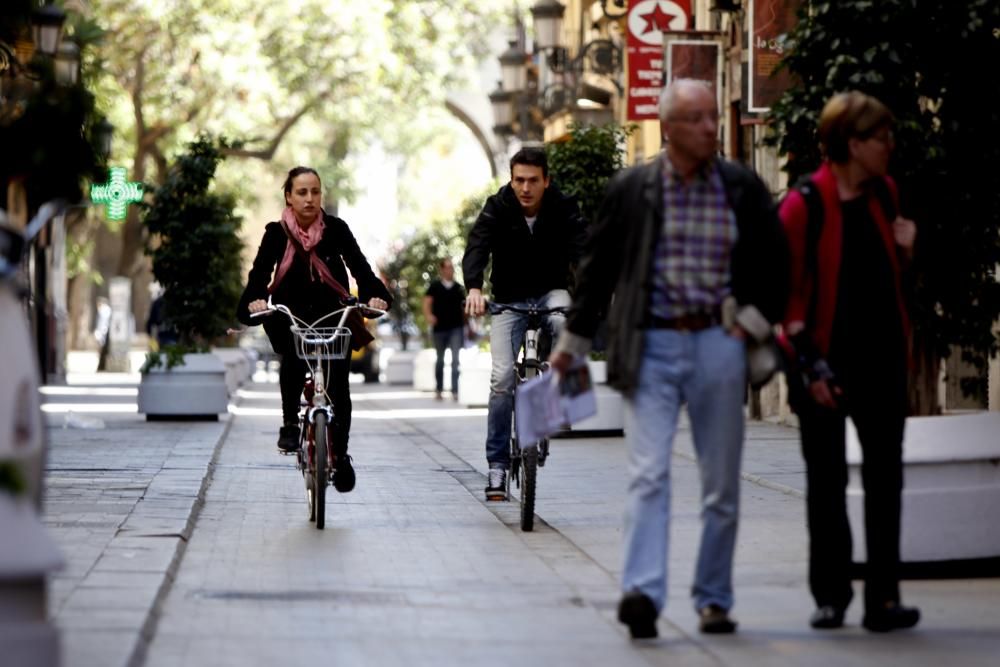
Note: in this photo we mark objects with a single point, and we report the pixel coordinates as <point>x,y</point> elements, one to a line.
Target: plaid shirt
<point>691,263</point>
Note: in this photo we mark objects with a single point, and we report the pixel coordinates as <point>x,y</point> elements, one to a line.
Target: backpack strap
<point>814,227</point>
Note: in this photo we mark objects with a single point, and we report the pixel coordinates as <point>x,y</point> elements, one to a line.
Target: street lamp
<point>67,63</point>
<point>503,110</point>
<point>547,16</point>
<point>101,134</point>
<point>46,23</point>
<point>513,67</point>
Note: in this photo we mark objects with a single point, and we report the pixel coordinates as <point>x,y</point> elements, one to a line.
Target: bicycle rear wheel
<point>319,468</point>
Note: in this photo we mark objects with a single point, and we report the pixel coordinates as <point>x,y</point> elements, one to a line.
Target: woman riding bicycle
<point>307,251</point>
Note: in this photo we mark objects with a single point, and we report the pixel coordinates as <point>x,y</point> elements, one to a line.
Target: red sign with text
<point>646,23</point>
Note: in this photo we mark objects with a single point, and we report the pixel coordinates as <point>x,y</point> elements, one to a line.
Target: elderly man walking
<point>692,250</point>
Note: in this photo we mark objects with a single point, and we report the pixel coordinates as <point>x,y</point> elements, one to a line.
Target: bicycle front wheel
<point>529,469</point>
<point>320,435</point>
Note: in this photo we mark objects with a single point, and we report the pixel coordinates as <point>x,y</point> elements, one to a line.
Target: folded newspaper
<point>548,403</point>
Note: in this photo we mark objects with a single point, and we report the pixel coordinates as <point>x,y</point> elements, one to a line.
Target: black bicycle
<point>526,458</point>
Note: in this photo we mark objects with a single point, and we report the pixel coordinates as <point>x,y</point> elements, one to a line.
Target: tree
<point>259,71</point>
<point>195,248</point>
<point>931,63</point>
<point>582,164</point>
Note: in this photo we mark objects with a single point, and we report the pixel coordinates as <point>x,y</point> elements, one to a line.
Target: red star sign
<point>657,20</point>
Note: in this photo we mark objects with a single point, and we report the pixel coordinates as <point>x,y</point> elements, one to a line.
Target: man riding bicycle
<point>535,234</point>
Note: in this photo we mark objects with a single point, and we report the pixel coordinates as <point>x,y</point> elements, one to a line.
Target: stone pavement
<point>179,560</point>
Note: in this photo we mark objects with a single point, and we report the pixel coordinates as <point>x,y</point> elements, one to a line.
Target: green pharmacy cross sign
<point>117,193</point>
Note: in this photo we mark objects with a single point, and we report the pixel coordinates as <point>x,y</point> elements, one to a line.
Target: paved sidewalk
<point>414,568</point>
<point>120,500</point>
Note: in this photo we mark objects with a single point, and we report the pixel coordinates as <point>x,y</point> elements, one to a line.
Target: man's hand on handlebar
<point>475,303</point>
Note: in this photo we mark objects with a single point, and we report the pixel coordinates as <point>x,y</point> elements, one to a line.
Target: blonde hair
<point>849,116</point>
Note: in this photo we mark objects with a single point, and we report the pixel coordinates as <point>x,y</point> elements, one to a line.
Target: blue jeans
<point>706,370</point>
<point>451,339</point>
<point>506,337</point>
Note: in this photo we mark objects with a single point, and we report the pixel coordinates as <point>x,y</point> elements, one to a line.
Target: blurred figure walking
<point>444,310</point>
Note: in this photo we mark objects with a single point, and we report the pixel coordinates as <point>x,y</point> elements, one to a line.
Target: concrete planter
<point>195,390</point>
<point>951,488</point>
<point>474,377</point>
<point>398,366</point>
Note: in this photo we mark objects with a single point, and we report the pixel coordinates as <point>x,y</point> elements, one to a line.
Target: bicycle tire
<point>320,435</point>
<point>529,470</point>
<point>528,463</point>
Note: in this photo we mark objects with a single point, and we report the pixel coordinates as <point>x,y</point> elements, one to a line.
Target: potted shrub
<point>195,248</point>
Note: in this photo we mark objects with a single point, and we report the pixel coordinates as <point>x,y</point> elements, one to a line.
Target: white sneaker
<point>497,489</point>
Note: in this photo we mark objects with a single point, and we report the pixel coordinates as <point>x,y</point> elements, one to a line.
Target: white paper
<point>546,404</point>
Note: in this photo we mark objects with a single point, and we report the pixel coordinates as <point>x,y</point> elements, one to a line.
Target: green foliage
<point>932,63</point>
<point>415,263</point>
<point>169,356</point>
<point>195,247</point>
<point>582,164</point>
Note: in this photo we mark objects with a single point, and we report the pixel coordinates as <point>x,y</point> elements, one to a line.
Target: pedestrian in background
<point>102,331</point>
<point>445,311</point>
<point>848,324</point>
<point>691,248</point>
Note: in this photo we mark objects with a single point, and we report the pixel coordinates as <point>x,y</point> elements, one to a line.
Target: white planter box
<point>474,377</point>
<point>196,389</point>
<point>951,488</point>
<point>398,367</point>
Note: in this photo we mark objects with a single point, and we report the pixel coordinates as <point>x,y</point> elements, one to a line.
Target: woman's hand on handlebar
<point>377,303</point>
<point>257,306</point>
<point>475,303</point>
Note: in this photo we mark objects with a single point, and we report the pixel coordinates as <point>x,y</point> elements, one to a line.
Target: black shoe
<point>895,617</point>
<point>288,438</point>
<point>827,617</point>
<point>638,612</point>
<point>714,620</point>
<point>344,477</point>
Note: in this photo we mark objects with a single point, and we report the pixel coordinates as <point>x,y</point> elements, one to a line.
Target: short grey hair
<point>668,97</point>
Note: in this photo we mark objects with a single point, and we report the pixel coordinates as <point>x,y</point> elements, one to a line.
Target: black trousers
<point>876,405</point>
<point>292,376</point>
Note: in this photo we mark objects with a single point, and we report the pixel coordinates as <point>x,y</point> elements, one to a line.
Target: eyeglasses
<point>695,117</point>
<point>884,137</point>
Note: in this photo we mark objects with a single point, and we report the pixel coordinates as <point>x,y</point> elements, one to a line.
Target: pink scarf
<point>308,239</point>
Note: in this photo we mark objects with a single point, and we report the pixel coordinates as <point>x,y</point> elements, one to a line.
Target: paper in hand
<point>547,403</point>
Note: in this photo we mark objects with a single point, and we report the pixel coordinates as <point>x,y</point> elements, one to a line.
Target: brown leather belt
<point>687,322</point>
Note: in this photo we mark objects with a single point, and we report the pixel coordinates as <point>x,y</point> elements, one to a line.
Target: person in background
<point>444,311</point>
<point>691,248</point>
<point>848,324</point>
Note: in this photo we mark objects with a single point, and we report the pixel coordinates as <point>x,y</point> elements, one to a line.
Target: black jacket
<point>307,298</point>
<point>526,263</point>
<point>619,260</point>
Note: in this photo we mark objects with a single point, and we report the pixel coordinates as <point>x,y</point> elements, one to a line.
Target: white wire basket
<point>322,342</point>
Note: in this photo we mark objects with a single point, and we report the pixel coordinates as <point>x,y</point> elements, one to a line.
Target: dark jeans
<point>879,417</point>
<point>291,379</point>
<point>451,339</point>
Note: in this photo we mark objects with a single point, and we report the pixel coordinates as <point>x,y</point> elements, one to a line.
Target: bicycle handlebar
<point>495,308</point>
<point>349,304</point>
